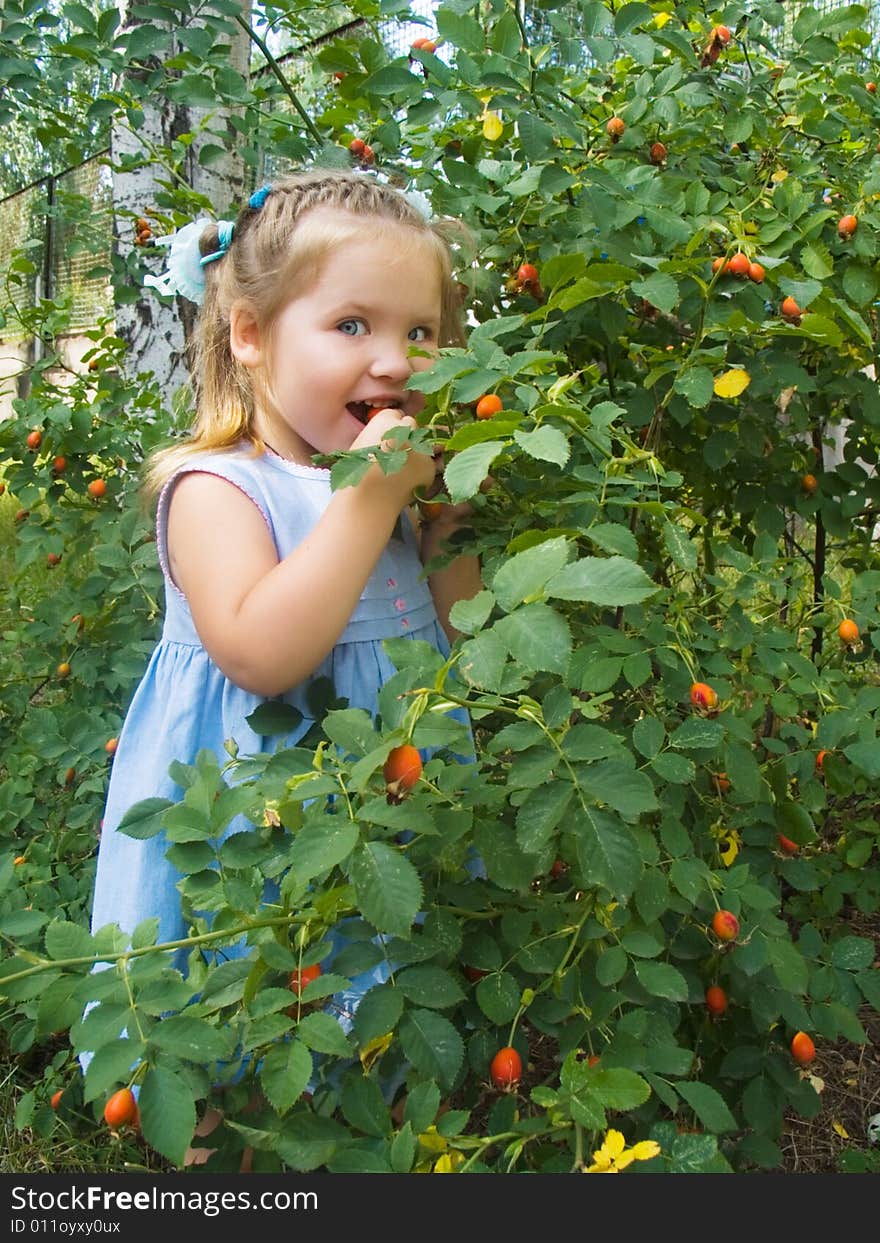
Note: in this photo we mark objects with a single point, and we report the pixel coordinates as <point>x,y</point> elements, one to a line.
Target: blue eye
<point>419,334</point>
<point>352,327</point>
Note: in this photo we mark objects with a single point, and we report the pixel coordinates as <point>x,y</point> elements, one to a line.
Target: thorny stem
<point>203,938</point>
<point>276,69</point>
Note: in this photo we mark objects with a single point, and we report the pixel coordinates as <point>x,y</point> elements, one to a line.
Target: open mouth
<point>363,411</point>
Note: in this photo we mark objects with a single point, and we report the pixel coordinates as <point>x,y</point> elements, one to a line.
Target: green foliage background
<point>641,533</point>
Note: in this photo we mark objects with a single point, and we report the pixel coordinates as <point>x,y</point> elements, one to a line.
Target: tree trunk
<point>155,331</point>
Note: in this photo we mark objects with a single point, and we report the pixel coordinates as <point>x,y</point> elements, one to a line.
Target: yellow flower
<point>614,1155</point>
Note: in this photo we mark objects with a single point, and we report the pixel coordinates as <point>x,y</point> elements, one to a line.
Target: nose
<point>391,359</point>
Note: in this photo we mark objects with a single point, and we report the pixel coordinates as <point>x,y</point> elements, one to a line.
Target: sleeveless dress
<point>184,702</point>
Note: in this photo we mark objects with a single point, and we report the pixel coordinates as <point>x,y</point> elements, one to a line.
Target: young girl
<point>313,303</point>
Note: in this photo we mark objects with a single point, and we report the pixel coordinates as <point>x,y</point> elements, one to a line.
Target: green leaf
<point>661,980</point>
<point>680,546</point>
<point>788,965</point>
<point>467,470</point>
<point>676,769</point>
<point>430,986</point>
<point>403,1150</point>
<point>607,853</point>
<point>697,385</point>
<point>471,615</point>
<point>648,736</point>
<point>432,1044</point>
<point>321,845</point>
<point>852,953</point>
<point>615,538</point>
<point>526,573</point>
<point>794,821</point>
<point>363,1105</point>
<point>660,289</point>
<point>697,734</point>
<point>498,996</point>
<point>546,444</point>
<point>388,888</point>
<point>191,1039</point>
<point>67,940</point>
<point>309,1141</point>
<point>609,581</point>
<point>483,660</point>
<point>618,1088</point>
<point>273,717</point>
<point>112,1064</point>
<point>708,1105</point>
<point>816,261</point>
<point>422,1103</point>
<point>321,1031</point>
<point>612,966</point>
<point>865,756</point>
<point>167,1112</point>
<point>536,636</point>
<point>378,1013</point>
<point>144,819</point>
<point>619,785</point>
<point>351,729</point>
<point>540,813</point>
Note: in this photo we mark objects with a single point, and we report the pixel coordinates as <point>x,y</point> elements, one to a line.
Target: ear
<point>245,339</point>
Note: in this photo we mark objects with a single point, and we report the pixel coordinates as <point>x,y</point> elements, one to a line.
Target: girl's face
<point>342,345</point>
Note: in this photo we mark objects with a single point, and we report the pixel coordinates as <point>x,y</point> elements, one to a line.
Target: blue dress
<point>185,703</point>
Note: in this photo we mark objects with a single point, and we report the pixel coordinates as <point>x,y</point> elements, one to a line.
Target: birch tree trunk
<point>157,332</point>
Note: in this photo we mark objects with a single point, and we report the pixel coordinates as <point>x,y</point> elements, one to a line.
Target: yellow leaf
<point>660,20</point>
<point>493,127</point>
<point>780,175</point>
<point>374,1049</point>
<point>448,1163</point>
<point>730,848</point>
<point>732,383</point>
<point>839,1128</point>
<point>432,1141</point>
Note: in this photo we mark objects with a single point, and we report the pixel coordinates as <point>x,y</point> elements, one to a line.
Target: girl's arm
<point>266,623</point>
<point>460,580</point>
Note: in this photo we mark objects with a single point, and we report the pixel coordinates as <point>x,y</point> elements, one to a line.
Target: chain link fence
<point>56,235</point>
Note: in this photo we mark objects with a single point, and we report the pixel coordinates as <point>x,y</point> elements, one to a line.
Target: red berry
<point>34,439</point>
<point>786,845</point>
<point>53,558</point>
<point>505,1070</point>
<point>716,999</point>
<point>802,1048</point>
<point>527,274</point>
<point>357,146</point>
<point>97,488</point>
<point>55,1100</point>
<point>489,405</point>
<point>616,127</point>
<point>403,768</point>
<point>725,925</point>
<point>303,976</point>
<point>847,225</point>
<point>59,465</point>
<point>738,264</point>
<point>703,696</point>
<point>121,1109</point>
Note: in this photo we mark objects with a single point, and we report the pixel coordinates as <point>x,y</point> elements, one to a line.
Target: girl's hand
<point>420,469</point>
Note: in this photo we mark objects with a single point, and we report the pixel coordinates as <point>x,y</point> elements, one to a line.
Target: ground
<point>850,1075</point>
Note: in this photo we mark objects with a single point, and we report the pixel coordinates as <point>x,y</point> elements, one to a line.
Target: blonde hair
<point>269,256</point>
